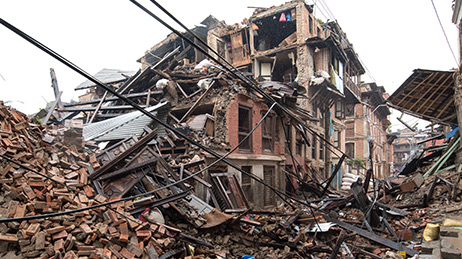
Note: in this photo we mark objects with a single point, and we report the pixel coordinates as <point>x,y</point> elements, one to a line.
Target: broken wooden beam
<point>106,167</point>
<point>331,178</point>
<point>340,239</point>
<point>186,115</point>
<point>372,236</point>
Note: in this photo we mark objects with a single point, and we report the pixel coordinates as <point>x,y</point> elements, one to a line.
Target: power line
<point>135,105</point>
<point>444,32</point>
<point>238,74</point>
<point>319,9</point>
<point>100,204</point>
<point>327,9</point>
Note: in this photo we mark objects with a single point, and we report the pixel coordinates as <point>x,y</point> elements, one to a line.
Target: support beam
<point>52,108</point>
<point>331,178</point>
<point>196,103</point>
<point>373,237</point>
<point>98,107</point>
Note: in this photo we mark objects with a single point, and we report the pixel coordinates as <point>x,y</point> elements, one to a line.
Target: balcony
<point>352,86</point>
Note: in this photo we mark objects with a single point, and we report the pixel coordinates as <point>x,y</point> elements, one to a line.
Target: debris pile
<point>41,175</point>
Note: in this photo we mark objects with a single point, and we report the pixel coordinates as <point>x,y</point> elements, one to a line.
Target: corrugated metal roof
<point>107,76</point>
<point>122,126</point>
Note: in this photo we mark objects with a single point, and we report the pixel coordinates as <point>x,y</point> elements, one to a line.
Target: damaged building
<point>306,65</point>
<point>258,153</point>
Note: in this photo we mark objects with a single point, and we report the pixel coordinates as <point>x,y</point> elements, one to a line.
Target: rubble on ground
<point>119,233</point>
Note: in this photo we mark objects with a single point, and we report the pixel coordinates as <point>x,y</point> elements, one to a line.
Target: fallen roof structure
<point>427,94</point>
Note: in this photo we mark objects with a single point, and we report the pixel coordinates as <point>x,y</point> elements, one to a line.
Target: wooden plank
<point>186,115</point>
<point>200,180</point>
<point>114,98</point>
<point>98,107</point>
<point>340,239</point>
<point>52,108</point>
<point>434,99</point>
<point>106,167</point>
<point>331,178</point>
<point>418,86</point>
<point>372,236</point>
<point>104,108</point>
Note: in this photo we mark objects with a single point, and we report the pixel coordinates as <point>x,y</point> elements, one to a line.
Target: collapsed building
<point>308,66</point>
<point>208,162</point>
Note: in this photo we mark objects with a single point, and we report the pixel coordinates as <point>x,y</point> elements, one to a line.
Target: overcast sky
<point>391,37</point>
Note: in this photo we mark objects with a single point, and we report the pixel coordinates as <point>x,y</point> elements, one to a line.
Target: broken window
<point>336,138</point>
<point>265,70</point>
<point>321,148</point>
<point>335,63</point>
<point>246,183</point>
<point>268,133</point>
<point>285,69</point>
<point>336,72</point>
<point>268,178</point>
<point>339,110</point>
<point>245,124</point>
<point>298,144</point>
<point>228,192</point>
<point>350,150</point>
<point>314,108</point>
<point>313,147</point>
<point>288,137</point>
<point>349,109</point>
<point>310,19</point>
<point>240,48</point>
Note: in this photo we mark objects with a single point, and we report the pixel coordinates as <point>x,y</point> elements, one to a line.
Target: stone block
<point>448,232</point>
<point>450,253</point>
<point>447,243</point>
<point>428,247</point>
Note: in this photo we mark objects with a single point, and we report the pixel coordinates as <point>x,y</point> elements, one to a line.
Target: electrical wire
<point>327,9</point>
<point>445,35</point>
<point>288,141</point>
<point>319,9</point>
<point>133,104</point>
<point>49,215</point>
<point>241,76</point>
<point>98,83</point>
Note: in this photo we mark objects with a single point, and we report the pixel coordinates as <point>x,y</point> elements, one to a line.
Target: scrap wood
<point>373,237</point>
<point>366,252</point>
<point>44,198</point>
<point>429,194</point>
<point>339,242</point>
<point>52,108</point>
<point>331,178</point>
<point>393,209</point>
<point>198,101</point>
<point>290,220</point>
<point>108,166</point>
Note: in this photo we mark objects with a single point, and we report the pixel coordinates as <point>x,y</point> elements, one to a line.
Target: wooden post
<point>337,168</point>
<point>337,245</point>
<point>54,84</point>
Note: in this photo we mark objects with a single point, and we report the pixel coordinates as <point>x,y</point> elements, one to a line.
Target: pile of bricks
<point>96,233</point>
